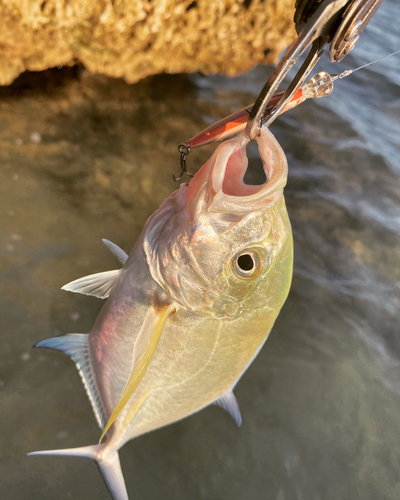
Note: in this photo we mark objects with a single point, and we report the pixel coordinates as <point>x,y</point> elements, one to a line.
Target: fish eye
<point>246,262</point>
<point>250,263</point>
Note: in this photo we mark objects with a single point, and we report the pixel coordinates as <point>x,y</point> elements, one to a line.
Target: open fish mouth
<point>230,165</point>
<point>194,235</point>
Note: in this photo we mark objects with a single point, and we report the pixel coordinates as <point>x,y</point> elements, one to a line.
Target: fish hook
<point>184,150</point>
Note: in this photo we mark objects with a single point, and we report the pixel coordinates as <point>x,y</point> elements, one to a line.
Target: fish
<point>191,307</point>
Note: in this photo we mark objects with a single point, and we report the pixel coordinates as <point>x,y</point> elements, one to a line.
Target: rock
<point>136,38</point>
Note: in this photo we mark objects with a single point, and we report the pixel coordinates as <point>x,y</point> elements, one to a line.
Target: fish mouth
<point>227,178</point>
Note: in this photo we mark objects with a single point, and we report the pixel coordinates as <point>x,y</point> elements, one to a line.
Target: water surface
<point>85,157</point>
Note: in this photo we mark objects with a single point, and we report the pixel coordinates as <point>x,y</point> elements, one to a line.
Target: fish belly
<point>197,361</point>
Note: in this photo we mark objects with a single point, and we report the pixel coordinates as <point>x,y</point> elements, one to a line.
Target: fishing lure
<point>320,85</point>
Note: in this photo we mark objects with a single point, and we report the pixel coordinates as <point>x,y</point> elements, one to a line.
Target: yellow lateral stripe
<point>141,367</point>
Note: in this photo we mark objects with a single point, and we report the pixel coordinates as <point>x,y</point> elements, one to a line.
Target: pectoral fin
<point>148,340</point>
<point>229,403</point>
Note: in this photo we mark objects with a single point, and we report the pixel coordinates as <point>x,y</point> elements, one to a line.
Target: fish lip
<point>232,193</point>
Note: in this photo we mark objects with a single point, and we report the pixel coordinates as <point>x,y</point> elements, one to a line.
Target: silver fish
<point>191,307</point>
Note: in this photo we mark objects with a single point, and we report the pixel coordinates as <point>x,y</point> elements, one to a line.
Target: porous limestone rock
<point>136,38</point>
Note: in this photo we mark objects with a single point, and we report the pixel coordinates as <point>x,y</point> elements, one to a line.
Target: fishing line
<point>321,84</point>
<point>350,71</point>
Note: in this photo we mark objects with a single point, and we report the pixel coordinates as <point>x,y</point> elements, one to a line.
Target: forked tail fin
<point>109,466</point>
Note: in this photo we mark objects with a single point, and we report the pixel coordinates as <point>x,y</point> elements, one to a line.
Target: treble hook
<point>184,150</point>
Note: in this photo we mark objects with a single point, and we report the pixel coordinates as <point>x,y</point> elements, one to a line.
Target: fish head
<point>218,246</point>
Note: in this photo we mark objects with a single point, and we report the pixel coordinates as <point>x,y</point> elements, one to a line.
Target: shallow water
<point>85,157</point>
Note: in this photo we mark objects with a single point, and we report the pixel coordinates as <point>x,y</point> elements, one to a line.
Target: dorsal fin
<point>229,403</point>
<point>76,345</point>
<point>99,285</point>
<point>116,250</point>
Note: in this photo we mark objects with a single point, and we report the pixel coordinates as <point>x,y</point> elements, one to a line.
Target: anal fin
<point>77,347</point>
<point>229,403</point>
